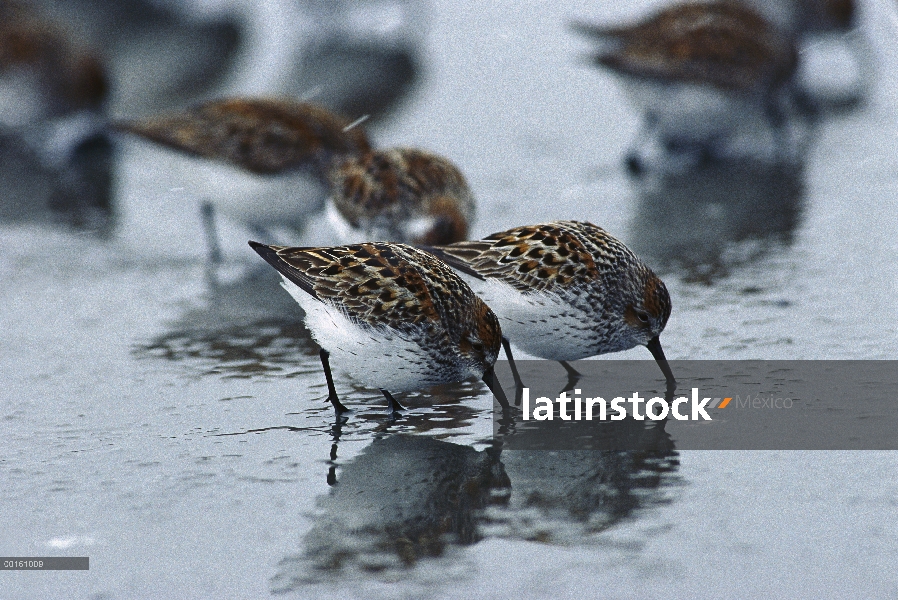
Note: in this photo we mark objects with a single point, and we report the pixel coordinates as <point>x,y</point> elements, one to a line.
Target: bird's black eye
<point>643,316</point>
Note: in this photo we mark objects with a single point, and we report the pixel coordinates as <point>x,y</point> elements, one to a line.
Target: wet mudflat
<point>178,435</point>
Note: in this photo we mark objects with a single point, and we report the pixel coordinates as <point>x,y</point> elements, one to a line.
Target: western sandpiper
<point>402,194</point>
<point>261,161</point>
<point>566,290</point>
<point>712,79</point>
<point>273,162</point>
<point>392,315</point>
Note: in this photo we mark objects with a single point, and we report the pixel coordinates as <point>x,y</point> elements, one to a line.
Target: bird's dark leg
<point>331,390</point>
<point>779,126</point>
<point>573,375</point>
<point>213,248</point>
<point>394,405</point>
<point>634,161</point>
<point>518,384</point>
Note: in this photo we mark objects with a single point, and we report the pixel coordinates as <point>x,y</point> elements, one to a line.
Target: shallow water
<point>179,437</point>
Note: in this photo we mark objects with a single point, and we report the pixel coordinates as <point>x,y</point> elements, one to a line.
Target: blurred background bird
<point>713,81</point>
<point>55,156</point>
<point>272,163</point>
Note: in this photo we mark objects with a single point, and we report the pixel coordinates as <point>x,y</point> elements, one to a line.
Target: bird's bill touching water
<point>654,347</point>
<point>492,382</point>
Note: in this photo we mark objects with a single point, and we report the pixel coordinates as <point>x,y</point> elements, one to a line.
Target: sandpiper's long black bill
<point>654,347</point>
<point>492,382</point>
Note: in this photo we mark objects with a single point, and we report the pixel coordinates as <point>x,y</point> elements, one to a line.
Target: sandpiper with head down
<point>713,81</point>
<point>393,316</point>
<point>402,194</point>
<point>273,162</point>
<point>261,161</point>
<point>566,290</point>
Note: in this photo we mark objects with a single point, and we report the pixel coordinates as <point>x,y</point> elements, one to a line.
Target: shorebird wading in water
<point>271,162</point>
<point>566,290</point>
<point>393,316</point>
<point>713,80</point>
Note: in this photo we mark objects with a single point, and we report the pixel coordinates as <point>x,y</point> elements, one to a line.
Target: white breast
<point>543,325</point>
<point>374,357</point>
<point>261,200</point>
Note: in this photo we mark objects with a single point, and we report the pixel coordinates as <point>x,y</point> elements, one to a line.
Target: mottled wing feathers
<point>375,283</point>
<point>537,258</point>
<point>261,135</point>
<point>272,256</point>
<point>460,256</point>
<point>721,43</point>
<point>387,188</point>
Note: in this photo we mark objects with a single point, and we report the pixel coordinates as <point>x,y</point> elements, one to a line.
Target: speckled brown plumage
<point>724,44</point>
<point>394,292</point>
<point>261,135</point>
<point>392,191</point>
<point>73,77</point>
<point>397,195</point>
<point>571,289</point>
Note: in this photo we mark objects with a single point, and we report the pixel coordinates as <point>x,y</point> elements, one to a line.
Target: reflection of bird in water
<point>393,316</point>
<point>56,158</point>
<point>409,498</point>
<point>403,499</point>
<point>243,328</point>
<point>272,162</point>
<point>563,497</point>
<point>712,80</point>
<point>705,223</point>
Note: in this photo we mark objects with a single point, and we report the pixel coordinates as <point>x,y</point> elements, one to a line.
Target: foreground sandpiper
<point>566,290</point>
<point>393,316</point>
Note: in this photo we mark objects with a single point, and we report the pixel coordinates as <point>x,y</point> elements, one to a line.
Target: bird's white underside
<point>543,325</point>
<point>693,111</point>
<point>284,200</point>
<point>22,99</point>
<point>375,357</point>
<point>401,232</point>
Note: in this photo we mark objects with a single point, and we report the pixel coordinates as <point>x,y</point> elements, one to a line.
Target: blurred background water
<point>177,434</point>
